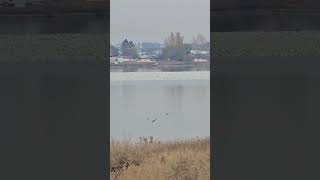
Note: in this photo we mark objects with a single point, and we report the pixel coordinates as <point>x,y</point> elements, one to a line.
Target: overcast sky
<point>153,20</point>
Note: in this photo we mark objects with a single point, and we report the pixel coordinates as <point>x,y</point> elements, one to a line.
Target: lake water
<point>180,108</point>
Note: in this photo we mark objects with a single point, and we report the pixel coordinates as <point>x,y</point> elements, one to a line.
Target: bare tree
<point>199,42</point>
<point>174,48</point>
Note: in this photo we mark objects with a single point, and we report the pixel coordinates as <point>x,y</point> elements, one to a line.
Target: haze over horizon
<point>153,20</point>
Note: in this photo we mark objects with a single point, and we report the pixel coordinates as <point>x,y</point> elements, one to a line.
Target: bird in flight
<point>154,120</point>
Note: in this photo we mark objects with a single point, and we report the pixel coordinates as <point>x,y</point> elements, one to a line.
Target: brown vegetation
<point>149,159</point>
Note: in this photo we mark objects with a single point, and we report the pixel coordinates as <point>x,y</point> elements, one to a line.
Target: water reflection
<point>160,68</point>
<point>180,109</point>
<point>174,92</point>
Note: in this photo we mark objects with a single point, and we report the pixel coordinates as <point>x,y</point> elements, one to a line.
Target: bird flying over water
<point>154,120</point>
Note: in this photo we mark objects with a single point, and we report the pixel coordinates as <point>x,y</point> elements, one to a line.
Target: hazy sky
<point>153,20</point>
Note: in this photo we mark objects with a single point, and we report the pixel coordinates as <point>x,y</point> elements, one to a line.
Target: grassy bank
<point>149,159</point>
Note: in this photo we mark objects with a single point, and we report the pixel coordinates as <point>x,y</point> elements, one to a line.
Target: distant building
<point>148,45</point>
<point>200,60</point>
<point>124,59</point>
<point>149,50</point>
<point>199,52</point>
<point>140,53</point>
<point>147,60</point>
<point>113,60</point>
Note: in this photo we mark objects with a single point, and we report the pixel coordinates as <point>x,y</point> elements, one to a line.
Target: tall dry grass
<point>154,160</point>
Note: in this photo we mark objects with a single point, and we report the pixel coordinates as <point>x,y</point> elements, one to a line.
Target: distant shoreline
<point>161,67</point>
<point>143,76</point>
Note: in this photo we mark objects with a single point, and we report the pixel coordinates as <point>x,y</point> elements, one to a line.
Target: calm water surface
<point>180,109</point>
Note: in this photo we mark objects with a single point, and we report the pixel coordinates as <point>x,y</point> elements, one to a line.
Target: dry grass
<point>154,160</point>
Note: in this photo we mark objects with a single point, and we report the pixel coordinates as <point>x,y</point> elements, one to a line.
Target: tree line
<point>174,48</point>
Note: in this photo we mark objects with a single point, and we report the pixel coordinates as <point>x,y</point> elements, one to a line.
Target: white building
<point>123,60</point>
<point>199,52</point>
<point>113,59</point>
<point>200,60</point>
